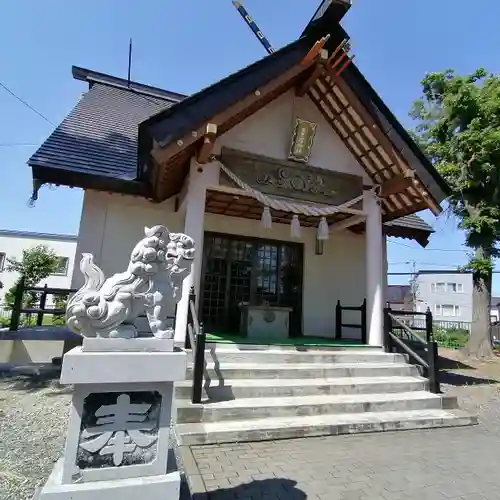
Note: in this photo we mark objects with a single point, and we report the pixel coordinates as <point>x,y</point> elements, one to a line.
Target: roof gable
<point>99,137</point>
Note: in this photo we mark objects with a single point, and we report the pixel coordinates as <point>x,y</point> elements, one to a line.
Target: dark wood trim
<point>163,154</point>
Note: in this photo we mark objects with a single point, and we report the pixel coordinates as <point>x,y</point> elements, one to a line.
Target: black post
<point>18,304</point>
<point>192,297</point>
<point>338,321</point>
<point>387,329</point>
<point>363,323</point>
<point>433,361</point>
<point>43,301</point>
<point>198,366</point>
<point>428,325</point>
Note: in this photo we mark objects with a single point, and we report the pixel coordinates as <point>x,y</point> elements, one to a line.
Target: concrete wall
<point>428,298</point>
<point>12,244</point>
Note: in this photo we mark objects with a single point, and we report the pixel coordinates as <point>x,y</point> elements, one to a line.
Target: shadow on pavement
<point>271,489</point>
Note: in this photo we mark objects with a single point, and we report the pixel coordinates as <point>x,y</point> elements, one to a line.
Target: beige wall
<point>337,274</point>
<point>112,224</point>
<point>268,132</point>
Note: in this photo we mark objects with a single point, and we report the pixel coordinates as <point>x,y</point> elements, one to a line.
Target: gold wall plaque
<point>302,140</point>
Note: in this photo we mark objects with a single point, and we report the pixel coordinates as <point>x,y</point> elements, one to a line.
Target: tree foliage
<point>459,130</point>
<point>37,263</point>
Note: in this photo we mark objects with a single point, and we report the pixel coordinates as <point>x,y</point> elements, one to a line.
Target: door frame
<point>236,237</point>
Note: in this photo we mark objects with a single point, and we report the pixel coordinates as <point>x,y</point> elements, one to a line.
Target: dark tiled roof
<point>99,136</point>
<point>411,222</point>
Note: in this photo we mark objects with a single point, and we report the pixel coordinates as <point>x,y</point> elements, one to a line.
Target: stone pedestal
<point>118,437</point>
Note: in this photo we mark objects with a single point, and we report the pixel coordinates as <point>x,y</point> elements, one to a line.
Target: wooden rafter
<point>208,143</point>
<point>396,185</point>
<point>162,154</point>
<point>384,141</point>
<point>350,139</point>
<point>348,222</point>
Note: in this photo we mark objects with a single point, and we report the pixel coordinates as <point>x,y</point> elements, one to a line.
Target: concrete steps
<point>318,425</point>
<point>258,392</point>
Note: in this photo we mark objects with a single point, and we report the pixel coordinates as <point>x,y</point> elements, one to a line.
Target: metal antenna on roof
<point>251,23</point>
<point>129,61</point>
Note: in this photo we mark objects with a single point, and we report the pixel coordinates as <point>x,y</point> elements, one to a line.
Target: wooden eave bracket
<point>203,155</point>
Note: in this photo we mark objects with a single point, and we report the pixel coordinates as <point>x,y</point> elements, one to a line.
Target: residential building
<point>448,294</point>
<point>495,309</point>
<point>12,244</point>
<point>399,297</point>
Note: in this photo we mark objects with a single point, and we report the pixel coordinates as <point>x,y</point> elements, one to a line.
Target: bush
<point>451,337</point>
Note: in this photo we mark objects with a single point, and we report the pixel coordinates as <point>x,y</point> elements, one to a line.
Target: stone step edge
<point>291,382</point>
<point>448,402</point>
<point>300,366</point>
<point>286,427</point>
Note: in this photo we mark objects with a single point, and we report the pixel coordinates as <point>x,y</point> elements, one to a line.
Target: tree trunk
<point>479,344</point>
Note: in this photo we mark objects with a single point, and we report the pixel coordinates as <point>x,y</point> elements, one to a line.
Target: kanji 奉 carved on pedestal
<point>107,308</point>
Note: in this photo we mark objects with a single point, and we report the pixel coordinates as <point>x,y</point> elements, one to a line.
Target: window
<point>2,261</point>
<point>455,287</point>
<point>438,287</point>
<point>446,310</point>
<point>62,266</point>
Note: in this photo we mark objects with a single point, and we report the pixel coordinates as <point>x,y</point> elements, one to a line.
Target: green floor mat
<point>227,338</point>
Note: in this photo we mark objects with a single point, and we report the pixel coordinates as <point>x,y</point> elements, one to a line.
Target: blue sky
<point>184,45</point>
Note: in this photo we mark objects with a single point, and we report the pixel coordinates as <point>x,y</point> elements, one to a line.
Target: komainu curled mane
<point>108,307</point>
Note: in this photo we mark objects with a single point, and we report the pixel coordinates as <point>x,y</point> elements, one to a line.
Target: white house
<point>12,244</point>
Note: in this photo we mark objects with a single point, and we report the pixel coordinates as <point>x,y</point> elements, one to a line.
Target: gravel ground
<point>34,411</point>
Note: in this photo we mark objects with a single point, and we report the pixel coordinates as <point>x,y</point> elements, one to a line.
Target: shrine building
<point>289,174</point>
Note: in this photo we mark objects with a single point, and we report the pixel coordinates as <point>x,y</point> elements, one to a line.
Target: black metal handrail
<point>45,291</point>
<point>197,340</point>
<point>392,341</point>
<point>339,324</point>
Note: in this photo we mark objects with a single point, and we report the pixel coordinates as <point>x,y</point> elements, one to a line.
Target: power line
<point>429,249</point>
<point>26,104</point>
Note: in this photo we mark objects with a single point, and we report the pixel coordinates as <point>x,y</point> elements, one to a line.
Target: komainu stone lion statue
<point>107,308</point>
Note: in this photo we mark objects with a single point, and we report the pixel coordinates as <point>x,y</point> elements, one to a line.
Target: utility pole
<point>413,284</point>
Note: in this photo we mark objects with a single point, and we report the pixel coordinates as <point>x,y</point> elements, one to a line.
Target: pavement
<point>436,464</point>
<point>456,463</point>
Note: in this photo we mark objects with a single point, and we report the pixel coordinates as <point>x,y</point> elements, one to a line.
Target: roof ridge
<point>90,76</point>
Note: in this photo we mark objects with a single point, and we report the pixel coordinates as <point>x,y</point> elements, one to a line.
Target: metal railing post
<point>198,366</point>
<point>43,301</point>
<point>338,321</point>
<point>18,304</point>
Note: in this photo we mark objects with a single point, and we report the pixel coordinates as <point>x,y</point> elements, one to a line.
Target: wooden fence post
<point>387,329</point>
<point>43,301</point>
<point>198,366</point>
<point>364,333</point>
<point>428,325</point>
<point>18,304</point>
<point>191,297</point>
<point>338,321</point>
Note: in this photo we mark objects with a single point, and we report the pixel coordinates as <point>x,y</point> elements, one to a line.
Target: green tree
<point>459,129</point>
<point>37,263</point>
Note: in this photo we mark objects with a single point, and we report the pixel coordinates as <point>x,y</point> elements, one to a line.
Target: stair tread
<point>310,400</point>
<point>346,352</point>
<point>318,420</point>
<point>273,382</point>
<point>300,366</point>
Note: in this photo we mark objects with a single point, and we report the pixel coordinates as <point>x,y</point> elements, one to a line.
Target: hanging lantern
<point>266,221</point>
<point>323,229</point>
<point>295,227</point>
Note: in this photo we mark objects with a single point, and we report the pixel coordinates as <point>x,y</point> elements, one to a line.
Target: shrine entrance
<point>239,270</point>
